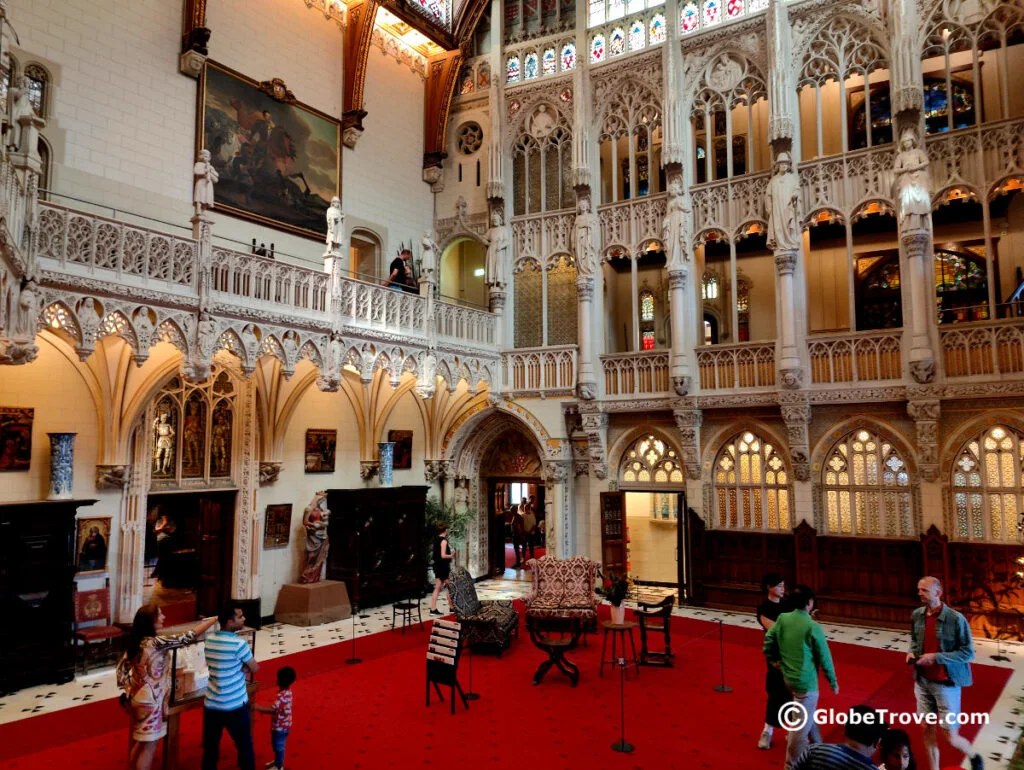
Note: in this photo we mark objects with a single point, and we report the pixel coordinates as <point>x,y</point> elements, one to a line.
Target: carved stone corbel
<point>925,415</point>
<point>556,472</point>
<point>436,470</point>
<point>595,425</point>
<point>688,422</point>
<point>269,472</point>
<point>367,469</point>
<point>796,413</point>
<point>113,476</point>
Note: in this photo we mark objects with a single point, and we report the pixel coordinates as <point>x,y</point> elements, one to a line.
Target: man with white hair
<point>941,650</point>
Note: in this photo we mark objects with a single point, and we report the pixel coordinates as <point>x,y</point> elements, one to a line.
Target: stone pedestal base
<point>312,604</point>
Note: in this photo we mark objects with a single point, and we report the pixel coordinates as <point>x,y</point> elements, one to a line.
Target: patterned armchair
<point>486,622</point>
<point>563,588</point>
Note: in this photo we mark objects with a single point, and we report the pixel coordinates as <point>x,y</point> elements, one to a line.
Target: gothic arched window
<point>987,488</point>
<point>37,80</point>
<point>866,488</point>
<point>650,459</point>
<point>646,302</point>
<point>751,486</point>
<point>709,287</point>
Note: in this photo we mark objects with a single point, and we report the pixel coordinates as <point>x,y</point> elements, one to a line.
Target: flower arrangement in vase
<point>615,588</point>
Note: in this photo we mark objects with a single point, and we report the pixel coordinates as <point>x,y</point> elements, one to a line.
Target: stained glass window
<point>709,287</point>
<point>550,62</point>
<point>596,12</point>
<point>957,272</point>
<point>651,460</point>
<point>530,68</point>
<point>568,57</point>
<point>435,10</point>
<point>689,18</point>
<point>636,35</point>
<point>512,70</point>
<point>617,42</point>
<point>866,488</point>
<point>35,80</point>
<point>733,8</point>
<point>616,9</point>
<point>646,306</point>
<point>647,340</point>
<point>483,78</point>
<point>987,494</point>
<point>657,29</point>
<point>751,486</point>
<point>597,49</point>
<point>466,81</point>
<point>712,12</point>
<point>758,5</point>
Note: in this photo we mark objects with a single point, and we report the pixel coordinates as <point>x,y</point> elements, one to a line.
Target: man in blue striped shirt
<point>227,702</point>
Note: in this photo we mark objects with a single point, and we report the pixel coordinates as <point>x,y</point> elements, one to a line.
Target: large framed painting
<point>278,526</point>
<point>278,160</point>
<point>15,438</point>
<point>93,544</point>
<point>321,445</point>
<point>403,448</point>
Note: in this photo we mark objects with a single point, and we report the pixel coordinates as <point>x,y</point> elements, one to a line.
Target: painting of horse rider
<point>277,159</point>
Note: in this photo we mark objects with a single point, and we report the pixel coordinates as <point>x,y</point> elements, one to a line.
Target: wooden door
<point>216,531</point>
<point>681,547</point>
<point>613,532</point>
<point>496,534</point>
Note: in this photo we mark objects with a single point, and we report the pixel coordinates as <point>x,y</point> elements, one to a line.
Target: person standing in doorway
<point>227,702</point>
<point>774,684</point>
<point>530,525</point>
<point>796,645</point>
<point>941,651</point>
<point>443,556</point>
<point>518,532</point>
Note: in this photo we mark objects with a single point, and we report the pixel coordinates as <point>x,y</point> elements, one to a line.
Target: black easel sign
<point>443,652</point>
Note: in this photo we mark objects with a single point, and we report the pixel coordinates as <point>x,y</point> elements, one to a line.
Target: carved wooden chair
<point>656,618</point>
<point>94,641</point>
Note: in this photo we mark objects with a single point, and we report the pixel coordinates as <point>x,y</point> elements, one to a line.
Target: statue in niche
<point>315,520</point>
<point>335,226</point>
<point>220,445</point>
<point>428,260</point>
<point>205,178</point>
<point>207,334</point>
<point>675,230</point>
<point>26,315</point>
<point>19,105</point>
<point>782,205</point>
<point>193,436</point>
<point>163,452</point>
<point>586,233</point>
<point>497,250</point>
<point>542,122</point>
<point>911,182</point>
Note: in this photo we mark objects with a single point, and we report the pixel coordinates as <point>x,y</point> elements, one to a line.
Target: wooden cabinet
<point>37,566</point>
<point>377,543</point>
<point>613,533</point>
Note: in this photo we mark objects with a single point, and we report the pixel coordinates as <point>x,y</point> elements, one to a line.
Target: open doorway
<point>189,538</point>
<point>508,550</point>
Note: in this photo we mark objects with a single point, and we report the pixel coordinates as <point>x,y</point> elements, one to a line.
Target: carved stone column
<point>915,251</point>
<point>789,363</point>
<point>796,412</point>
<point>925,413</point>
<point>688,421</point>
<point>248,517</point>
<point>682,382</point>
<point>585,375</point>
<point>132,520</point>
<point>558,508</point>
<point>595,424</point>
<point>497,299</point>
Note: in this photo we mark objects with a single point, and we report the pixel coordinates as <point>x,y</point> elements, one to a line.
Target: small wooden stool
<point>619,632</point>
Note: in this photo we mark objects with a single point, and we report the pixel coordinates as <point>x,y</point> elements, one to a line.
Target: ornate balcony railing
<point>986,348</point>
<point>301,289</point>
<point>541,371</point>
<point>464,324</point>
<point>631,223</point>
<point>642,373</point>
<point>542,236</point>
<point>730,205</point>
<point>844,182</point>
<point>744,366</point>
<point>856,357</point>
<point>976,157</point>
<point>101,244</point>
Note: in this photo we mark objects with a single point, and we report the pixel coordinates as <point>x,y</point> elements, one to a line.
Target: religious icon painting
<point>15,438</point>
<point>403,448</point>
<point>321,446</point>
<point>220,440</point>
<point>277,526</point>
<point>93,542</point>
<point>193,450</point>
<point>278,160</point>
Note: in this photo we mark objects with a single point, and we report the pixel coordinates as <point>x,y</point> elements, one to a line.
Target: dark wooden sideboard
<point>37,567</point>
<point>377,542</point>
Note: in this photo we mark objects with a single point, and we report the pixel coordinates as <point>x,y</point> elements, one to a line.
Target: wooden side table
<point>619,632</point>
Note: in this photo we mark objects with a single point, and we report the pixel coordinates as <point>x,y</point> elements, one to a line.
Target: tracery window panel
<point>637,39</point>
<point>562,299</point>
<point>689,18</point>
<point>438,11</point>
<point>656,29</point>
<point>527,284</point>
<point>597,49</point>
<point>549,62</point>
<point>651,460</point>
<point>37,80</point>
<point>866,488</point>
<point>646,306</point>
<point>531,66</point>
<point>512,71</point>
<point>568,57</point>
<point>617,42</point>
<point>751,486</point>
<point>987,487</point>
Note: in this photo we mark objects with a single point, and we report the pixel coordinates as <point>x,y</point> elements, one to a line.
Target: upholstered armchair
<point>485,622</point>
<point>563,588</point>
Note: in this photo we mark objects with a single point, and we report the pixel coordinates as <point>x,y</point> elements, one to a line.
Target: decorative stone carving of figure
<point>675,230</point>
<point>911,182</point>
<point>219,444</point>
<point>315,520</point>
<point>426,381</point>
<point>428,260</point>
<point>207,334</point>
<point>163,453</point>
<point>193,434</point>
<point>782,204</point>
<point>542,122</point>
<point>586,232</point>
<point>205,178</point>
<point>18,106</point>
<point>497,250</point>
<point>27,314</point>
<point>335,225</point>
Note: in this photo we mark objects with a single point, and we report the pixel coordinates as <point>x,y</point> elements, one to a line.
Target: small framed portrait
<point>403,448</point>
<point>278,526</point>
<point>15,438</point>
<point>93,544</point>
<point>321,446</point>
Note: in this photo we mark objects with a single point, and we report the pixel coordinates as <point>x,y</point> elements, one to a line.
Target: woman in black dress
<point>443,555</point>
<point>774,684</point>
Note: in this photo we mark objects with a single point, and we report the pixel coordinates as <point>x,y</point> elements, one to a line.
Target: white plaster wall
<point>652,545</point>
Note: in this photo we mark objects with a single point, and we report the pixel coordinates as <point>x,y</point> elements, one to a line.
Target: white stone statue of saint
<point>586,235</point>
<point>26,313</point>
<point>335,226</point>
<point>428,259</point>
<point>911,182</point>
<point>426,380</point>
<point>18,106</point>
<point>782,205</point>
<point>205,178</point>
<point>675,229</point>
<point>497,250</point>
<point>206,335</point>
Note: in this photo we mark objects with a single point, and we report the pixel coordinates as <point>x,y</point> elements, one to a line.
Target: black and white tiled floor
<point>996,741</point>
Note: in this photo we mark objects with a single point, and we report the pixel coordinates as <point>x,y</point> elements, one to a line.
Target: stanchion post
<point>353,660</point>
<point>723,687</point>
<point>621,745</point>
<point>470,695</point>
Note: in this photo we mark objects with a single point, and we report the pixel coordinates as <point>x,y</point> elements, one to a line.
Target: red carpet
<point>510,555</point>
<point>373,715</point>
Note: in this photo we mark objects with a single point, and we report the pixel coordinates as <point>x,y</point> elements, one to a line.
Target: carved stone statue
<point>675,230</point>
<point>782,205</point>
<point>911,183</point>
<point>428,260</point>
<point>206,336</point>
<point>315,519</point>
<point>542,122</point>
<point>205,178</point>
<point>163,452</point>
<point>18,106</point>
<point>26,314</point>
<point>426,381</point>
<point>335,226</point>
<point>586,235</point>
<point>497,250</point>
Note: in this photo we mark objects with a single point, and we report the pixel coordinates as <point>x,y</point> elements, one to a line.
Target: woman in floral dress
<point>144,674</point>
